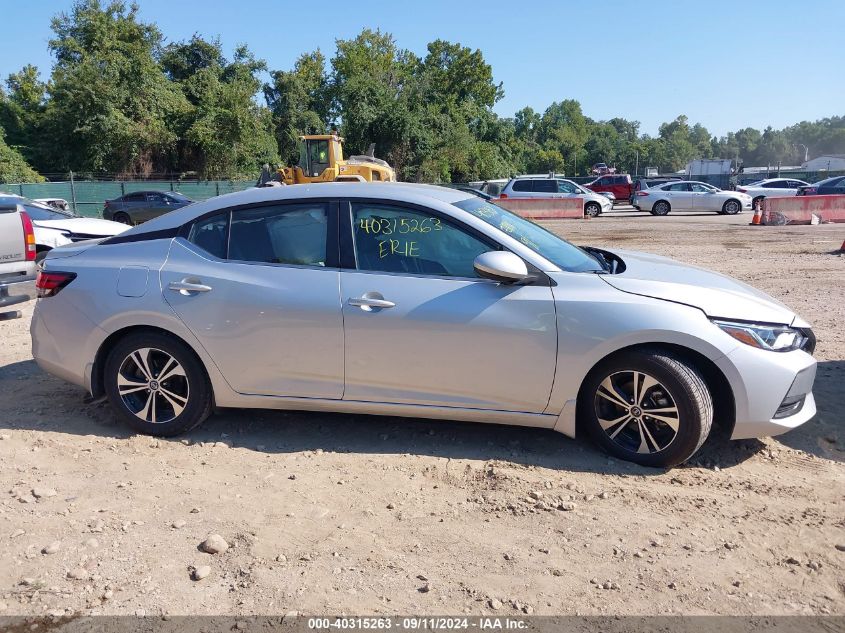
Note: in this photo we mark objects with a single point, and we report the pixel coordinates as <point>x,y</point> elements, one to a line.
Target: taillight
<point>502,196</point>
<point>642,193</point>
<point>28,237</point>
<point>741,190</point>
<point>48,283</point>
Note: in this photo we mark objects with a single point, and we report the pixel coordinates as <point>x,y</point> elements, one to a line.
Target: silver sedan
<point>410,300</point>
<point>690,195</point>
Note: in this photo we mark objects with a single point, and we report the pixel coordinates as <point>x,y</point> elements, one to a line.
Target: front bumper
<point>15,291</point>
<point>772,391</point>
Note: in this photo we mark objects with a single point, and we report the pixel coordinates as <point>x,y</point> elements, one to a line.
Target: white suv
<point>527,187</point>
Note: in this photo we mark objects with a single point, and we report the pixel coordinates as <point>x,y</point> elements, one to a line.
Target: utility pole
<point>637,164</point>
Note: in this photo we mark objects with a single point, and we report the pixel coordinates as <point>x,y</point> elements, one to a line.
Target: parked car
<point>56,228</point>
<point>17,257</point>
<point>690,195</point>
<point>600,169</point>
<point>648,182</point>
<point>620,185</point>
<point>537,187</point>
<point>771,187</point>
<point>469,189</point>
<point>827,187</point>
<point>420,301</point>
<point>140,206</point>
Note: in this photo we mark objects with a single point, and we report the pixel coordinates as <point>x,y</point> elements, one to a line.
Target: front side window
<point>398,240</point>
<point>558,251</point>
<point>565,187</point>
<point>280,234</point>
<point>699,188</point>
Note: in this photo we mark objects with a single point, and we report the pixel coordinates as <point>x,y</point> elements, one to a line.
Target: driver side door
<point>421,328</point>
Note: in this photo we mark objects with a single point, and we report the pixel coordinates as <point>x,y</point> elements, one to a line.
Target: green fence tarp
<point>89,196</point>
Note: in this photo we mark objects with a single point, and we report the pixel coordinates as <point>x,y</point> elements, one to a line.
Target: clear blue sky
<point>725,64</point>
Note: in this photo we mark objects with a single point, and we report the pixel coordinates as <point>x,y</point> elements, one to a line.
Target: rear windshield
<point>561,253</point>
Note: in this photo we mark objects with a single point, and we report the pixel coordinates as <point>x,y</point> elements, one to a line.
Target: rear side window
<point>522,185</point>
<point>211,234</point>
<point>280,234</point>
<point>678,187</point>
<point>398,240</point>
<point>135,197</point>
<point>545,186</point>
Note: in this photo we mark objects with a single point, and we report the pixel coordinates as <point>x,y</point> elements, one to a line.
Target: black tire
<point>193,391</point>
<point>661,207</point>
<point>731,207</point>
<point>123,218</point>
<point>40,256</point>
<point>592,209</point>
<point>676,382</point>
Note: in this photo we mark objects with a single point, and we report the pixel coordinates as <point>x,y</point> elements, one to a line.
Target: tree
<point>298,100</point>
<point>110,103</point>
<point>13,166</point>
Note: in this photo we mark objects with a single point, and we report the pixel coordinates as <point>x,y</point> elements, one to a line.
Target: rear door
<point>258,286</point>
<point>421,328</point>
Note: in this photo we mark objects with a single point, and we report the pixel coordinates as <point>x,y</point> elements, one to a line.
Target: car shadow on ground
<point>30,397</point>
<point>824,435</point>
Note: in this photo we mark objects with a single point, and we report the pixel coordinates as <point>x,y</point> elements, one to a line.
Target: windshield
<point>37,211</point>
<point>558,251</point>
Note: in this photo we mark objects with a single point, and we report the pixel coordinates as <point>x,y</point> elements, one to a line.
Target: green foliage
<point>13,166</point>
<point>119,100</point>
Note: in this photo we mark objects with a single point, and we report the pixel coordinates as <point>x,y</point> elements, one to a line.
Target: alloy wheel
<point>731,207</point>
<point>637,412</point>
<point>153,385</point>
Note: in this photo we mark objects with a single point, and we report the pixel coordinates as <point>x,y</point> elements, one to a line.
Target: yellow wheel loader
<point>321,160</point>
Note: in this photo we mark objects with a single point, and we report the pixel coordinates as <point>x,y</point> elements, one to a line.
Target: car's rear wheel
<point>156,384</point>
<point>647,406</point>
<point>123,218</point>
<point>731,207</point>
<point>661,207</point>
<point>592,209</point>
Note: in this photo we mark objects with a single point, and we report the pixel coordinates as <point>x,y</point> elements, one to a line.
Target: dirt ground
<point>363,515</point>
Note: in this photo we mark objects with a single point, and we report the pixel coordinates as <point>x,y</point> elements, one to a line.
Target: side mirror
<point>501,266</point>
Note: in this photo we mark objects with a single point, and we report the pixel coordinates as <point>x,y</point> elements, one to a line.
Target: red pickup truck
<point>620,185</point>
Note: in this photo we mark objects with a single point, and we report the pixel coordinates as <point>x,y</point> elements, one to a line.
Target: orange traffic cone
<point>757,220</point>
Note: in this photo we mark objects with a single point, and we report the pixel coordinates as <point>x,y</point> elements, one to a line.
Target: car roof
<point>389,191</point>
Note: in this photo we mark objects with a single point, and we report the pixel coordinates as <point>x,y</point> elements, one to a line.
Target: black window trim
<point>332,246</point>
<point>349,262</point>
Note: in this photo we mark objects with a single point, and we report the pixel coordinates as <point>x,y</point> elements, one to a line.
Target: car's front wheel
<point>731,207</point>
<point>647,406</point>
<point>661,207</point>
<point>156,384</point>
<point>592,209</point>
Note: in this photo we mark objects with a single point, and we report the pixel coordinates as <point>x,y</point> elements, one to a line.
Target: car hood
<point>718,296</point>
<point>93,227</point>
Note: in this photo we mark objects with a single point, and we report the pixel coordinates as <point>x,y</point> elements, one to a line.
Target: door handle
<point>188,287</point>
<point>371,300</point>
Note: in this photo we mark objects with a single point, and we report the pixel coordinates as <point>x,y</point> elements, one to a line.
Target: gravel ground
<point>319,513</point>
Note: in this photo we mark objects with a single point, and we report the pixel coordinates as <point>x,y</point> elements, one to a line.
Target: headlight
<point>775,338</point>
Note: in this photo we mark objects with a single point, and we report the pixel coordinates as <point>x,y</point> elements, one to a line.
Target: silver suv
<point>528,187</point>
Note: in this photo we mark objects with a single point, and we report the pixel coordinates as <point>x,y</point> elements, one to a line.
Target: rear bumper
<point>15,291</point>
